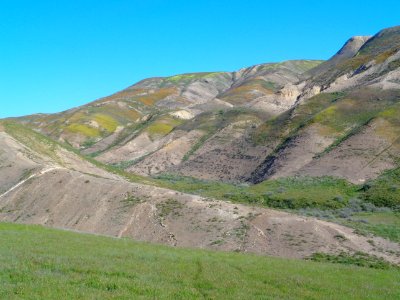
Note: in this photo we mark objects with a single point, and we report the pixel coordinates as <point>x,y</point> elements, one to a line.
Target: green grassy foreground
<point>42,263</point>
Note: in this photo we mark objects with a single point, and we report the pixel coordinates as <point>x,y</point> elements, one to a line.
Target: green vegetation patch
<point>162,126</point>
<point>106,122</point>
<point>302,192</point>
<point>131,200</point>
<point>291,193</point>
<point>350,112</point>
<point>89,142</point>
<point>385,190</point>
<point>160,129</point>
<point>385,224</point>
<point>170,207</point>
<point>366,218</point>
<point>41,263</point>
<point>84,130</point>
<point>359,259</point>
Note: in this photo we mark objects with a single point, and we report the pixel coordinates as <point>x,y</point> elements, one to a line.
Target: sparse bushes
<point>384,192</point>
<point>364,217</point>
<point>131,200</point>
<point>288,193</point>
<point>353,206</point>
<point>88,143</point>
<point>170,207</point>
<point>306,192</point>
<point>359,259</point>
<point>340,237</point>
<point>244,197</point>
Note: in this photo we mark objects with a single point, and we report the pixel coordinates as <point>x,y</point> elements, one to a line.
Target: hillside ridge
<point>205,159</point>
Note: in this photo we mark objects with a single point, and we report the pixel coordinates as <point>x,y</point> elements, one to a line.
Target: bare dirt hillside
<point>138,127</point>
<point>64,191</point>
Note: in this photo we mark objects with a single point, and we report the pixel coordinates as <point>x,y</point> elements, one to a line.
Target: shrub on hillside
<point>384,191</point>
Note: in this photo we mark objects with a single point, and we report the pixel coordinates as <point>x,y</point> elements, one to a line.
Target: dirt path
<point>42,172</point>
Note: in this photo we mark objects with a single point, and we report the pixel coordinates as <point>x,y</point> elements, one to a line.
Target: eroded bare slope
<point>267,121</point>
<point>65,191</point>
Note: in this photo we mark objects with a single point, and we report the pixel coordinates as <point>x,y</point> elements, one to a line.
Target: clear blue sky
<point>58,54</point>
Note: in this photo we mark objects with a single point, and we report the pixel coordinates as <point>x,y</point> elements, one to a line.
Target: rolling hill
<point>205,159</point>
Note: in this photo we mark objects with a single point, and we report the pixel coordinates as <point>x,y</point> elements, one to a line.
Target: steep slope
<point>276,120</point>
<point>351,135</point>
<point>136,129</point>
<point>348,51</point>
<point>349,130</point>
<point>223,134</point>
<point>375,63</point>
<point>66,191</point>
<point>186,94</point>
